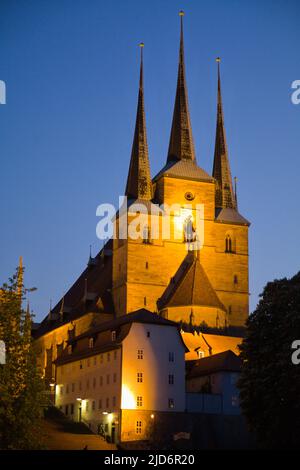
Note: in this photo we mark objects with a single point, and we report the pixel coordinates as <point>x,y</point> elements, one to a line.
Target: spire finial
<point>181,146</point>
<point>139,185</point>
<point>221,170</point>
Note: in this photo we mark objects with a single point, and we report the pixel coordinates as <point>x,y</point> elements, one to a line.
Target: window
<point>139,427</point>
<point>235,279</point>
<point>113,336</point>
<point>139,377</point>
<point>72,409</point>
<point>87,406</point>
<point>148,334</point>
<point>114,401</point>
<point>101,381</point>
<point>107,402</point>
<point>171,357</point>
<point>107,379</point>
<point>114,378</point>
<point>145,301</point>
<point>229,310</point>
<point>70,349</point>
<point>91,342</point>
<point>62,390</point>
<point>108,357</point>
<point>73,387</point>
<point>67,409</point>
<point>94,382</point>
<point>201,354</point>
<point>100,404</point>
<point>95,360</point>
<point>147,265</point>
<point>93,405</point>
<point>87,384</point>
<point>146,235</point>
<point>139,401</point>
<point>171,379</point>
<point>228,244</point>
<point>88,362</point>
<point>171,403</point>
<point>140,354</point>
<point>80,365</point>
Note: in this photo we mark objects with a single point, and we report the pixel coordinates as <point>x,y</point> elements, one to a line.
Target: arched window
<point>228,244</point>
<point>189,231</point>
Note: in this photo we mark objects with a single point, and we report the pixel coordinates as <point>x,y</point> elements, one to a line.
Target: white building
<point>119,375</point>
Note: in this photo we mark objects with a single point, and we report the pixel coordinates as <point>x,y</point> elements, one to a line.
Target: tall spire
<point>225,197</point>
<point>181,146</point>
<point>139,185</point>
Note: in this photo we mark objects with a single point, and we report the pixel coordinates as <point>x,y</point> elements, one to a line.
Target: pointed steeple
<point>139,185</point>
<point>225,197</point>
<point>181,146</point>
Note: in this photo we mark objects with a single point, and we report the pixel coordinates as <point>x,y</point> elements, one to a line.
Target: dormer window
<point>113,335</point>
<point>70,349</point>
<point>91,343</point>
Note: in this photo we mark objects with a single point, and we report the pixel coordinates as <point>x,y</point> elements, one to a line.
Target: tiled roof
<point>185,169</point>
<point>231,216</point>
<point>209,344</point>
<point>96,279</point>
<point>190,286</point>
<point>226,361</point>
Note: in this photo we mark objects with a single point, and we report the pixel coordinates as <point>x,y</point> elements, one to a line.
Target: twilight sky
<point>71,72</point>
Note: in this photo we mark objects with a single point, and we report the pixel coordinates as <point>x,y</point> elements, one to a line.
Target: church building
<point>167,284</point>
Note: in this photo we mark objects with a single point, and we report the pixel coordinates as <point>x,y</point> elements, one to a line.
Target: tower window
<point>235,279</point>
<point>145,301</point>
<point>147,265</point>
<point>228,244</point>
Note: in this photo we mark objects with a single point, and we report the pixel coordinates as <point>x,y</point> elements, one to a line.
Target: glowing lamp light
<point>128,400</point>
<point>152,416</point>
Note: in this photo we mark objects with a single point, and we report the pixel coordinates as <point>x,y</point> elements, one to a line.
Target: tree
<point>270,382</point>
<point>21,386</point>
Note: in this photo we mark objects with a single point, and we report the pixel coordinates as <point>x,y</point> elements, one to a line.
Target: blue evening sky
<point>71,71</point>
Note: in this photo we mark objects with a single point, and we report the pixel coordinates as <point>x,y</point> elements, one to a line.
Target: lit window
<point>171,379</point>
<point>113,336</point>
<point>171,402</point>
<point>139,377</point>
<point>91,342</point>
<point>140,354</point>
<point>139,401</point>
<point>200,354</point>
<point>171,357</point>
<point>139,427</point>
